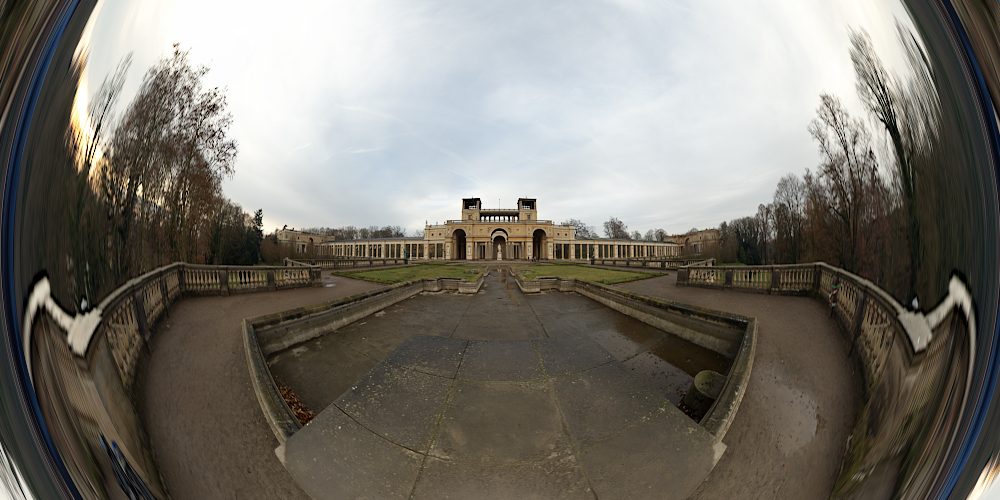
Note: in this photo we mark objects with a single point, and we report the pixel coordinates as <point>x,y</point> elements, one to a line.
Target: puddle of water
<point>664,361</point>
<point>670,380</point>
<point>627,337</point>
<point>690,357</point>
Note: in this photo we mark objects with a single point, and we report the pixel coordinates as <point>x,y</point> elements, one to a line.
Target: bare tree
<point>847,190</point>
<point>909,114</point>
<point>167,159</point>
<point>101,111</point>
<point>763,219</point>
<point>581,229</point>
<point>788,215</point>
<point>616,229</point>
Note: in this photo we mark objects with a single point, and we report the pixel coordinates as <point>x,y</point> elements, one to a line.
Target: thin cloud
<point>671,115</point>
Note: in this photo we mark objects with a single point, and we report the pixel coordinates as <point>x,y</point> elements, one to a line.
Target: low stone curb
<point>267,334</point>
<point>653,311</point>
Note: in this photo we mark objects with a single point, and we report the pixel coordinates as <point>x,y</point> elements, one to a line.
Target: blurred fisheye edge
<point>67,437</point>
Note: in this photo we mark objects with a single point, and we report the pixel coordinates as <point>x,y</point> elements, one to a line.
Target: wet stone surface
<point>506,396</point>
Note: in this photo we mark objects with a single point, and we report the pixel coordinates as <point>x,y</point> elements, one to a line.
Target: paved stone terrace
<point>212,442</point>
<point>497,395</point>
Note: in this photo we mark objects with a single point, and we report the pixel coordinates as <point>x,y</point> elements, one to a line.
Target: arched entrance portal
<point>458,243</point>
<point>538,244</point>
<point>500,247</point>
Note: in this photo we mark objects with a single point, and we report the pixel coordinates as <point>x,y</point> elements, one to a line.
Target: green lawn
<point>597,274</point>
<point>409,273</point>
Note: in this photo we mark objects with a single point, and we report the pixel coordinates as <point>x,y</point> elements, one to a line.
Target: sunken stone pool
<point>500,394</point>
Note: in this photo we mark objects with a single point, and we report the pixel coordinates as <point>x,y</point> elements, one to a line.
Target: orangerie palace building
<point>499,234</point>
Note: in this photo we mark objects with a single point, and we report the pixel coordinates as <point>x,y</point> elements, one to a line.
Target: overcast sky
<point>665,115</point>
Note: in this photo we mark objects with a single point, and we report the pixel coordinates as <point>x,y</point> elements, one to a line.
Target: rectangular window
<point>420,251</point>
<point>576,251</point>
<point>440,250</point>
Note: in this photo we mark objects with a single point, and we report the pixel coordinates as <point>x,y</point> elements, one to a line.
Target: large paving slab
<point>561,479</point>
<point>595,433</point>
<point>336,457</point>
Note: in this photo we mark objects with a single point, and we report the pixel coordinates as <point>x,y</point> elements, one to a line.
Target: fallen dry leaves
<point>301,412</point>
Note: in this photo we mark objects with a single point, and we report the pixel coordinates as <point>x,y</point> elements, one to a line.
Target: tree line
<point>363,233</point>
<point>869,204</point>
<point>274,252</point>
<point>615,228</point>
<point>148,181</point>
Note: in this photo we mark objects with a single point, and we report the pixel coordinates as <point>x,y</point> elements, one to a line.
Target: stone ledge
<point>264,335</point>
<point>655,312</point>
<point>721,414</point>
<point>276,412</point>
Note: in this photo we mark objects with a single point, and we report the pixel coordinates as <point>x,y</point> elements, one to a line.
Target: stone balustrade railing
<point>870,316</point>
<point>85,367</point>
<point>126,316</point>
<point>915,369</point>
<point>651,262</point>
<point>346,262</point>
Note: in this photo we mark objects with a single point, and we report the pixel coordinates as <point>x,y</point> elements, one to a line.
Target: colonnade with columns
<point>482,248</point>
